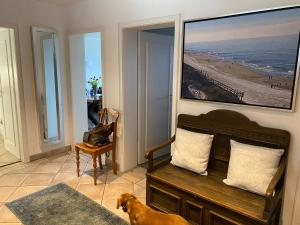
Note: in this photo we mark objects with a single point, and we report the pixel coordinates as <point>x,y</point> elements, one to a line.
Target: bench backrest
<point>226,125</point>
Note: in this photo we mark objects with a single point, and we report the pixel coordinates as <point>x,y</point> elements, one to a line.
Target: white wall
<point>24,14</point>
<point>129,116</point>
<point>108,14</point>
<point>296,219</point>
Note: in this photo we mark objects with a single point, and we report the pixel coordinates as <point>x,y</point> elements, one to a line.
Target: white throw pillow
<point>252,167</point>
<point>192,150</point>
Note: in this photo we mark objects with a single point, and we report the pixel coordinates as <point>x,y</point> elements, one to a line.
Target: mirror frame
<point>40,89</point>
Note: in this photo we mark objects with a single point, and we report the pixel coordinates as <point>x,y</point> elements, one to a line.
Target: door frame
<point>126,161</point>
<point>19,95</point>
<point>78,32</point>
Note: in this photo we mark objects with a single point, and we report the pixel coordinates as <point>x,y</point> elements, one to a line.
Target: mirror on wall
<point>48,86</point>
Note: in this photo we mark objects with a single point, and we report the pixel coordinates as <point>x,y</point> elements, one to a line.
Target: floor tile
<point>48,168</point>
<point>38,179</point>
<point>133,177</point>
<point>89,179</point>
<point>72,167</point>
<point>114,190</point>
<point>104,170</point>
<point>5,192</point>
<point>68,178</point>
<point>12,179</point>
<point>72,183</point>
<point>111,205</point>
<point>140,171</point>
<point>142,183</point>
<point>24,191</point>
<point>82,159</point>
<point>94,192</point>
<point>112,178</point>
<point>7,216</point>
<point>63,177</point>
<point>139,191</point>
<point>25,169</point>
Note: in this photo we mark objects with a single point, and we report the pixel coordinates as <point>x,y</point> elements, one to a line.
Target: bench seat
<point>212,189</point>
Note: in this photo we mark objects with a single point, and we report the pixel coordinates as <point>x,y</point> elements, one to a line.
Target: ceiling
<point>60,2</point>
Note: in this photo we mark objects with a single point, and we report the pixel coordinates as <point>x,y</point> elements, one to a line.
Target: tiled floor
<point>22,179</point>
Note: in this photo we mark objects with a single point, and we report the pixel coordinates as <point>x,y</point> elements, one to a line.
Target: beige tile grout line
<point>104,189</point>
<point>63,162</point>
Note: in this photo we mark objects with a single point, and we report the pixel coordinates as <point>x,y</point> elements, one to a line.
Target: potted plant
<point>94,82</point>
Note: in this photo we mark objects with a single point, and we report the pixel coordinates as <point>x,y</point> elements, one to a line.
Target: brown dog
<point>140,214</point>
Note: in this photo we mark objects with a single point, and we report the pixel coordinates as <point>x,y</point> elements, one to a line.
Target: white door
<point>78,82</point>
<point>155,63</point>
<point>8,98</point>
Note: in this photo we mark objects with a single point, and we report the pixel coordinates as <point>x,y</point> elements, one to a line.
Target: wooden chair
<point>106,116</point>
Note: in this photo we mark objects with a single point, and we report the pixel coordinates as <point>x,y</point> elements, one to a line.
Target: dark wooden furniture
<point>94,104</point>
<point>106,116</point>
<point>206,199</point>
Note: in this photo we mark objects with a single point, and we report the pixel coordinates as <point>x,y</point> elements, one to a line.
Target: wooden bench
<point>206,199</point>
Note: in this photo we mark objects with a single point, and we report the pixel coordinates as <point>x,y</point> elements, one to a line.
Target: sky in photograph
<point>276,23</point>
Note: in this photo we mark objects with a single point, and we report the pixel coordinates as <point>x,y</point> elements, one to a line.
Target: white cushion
<point>192,150</point>
<point>251,167</point>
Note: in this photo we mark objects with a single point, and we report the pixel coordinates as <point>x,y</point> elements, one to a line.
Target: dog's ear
<point>118,203</point>
<point>133,196</point>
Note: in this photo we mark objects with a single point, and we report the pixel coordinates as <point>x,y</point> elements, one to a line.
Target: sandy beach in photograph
<point>258,88</point>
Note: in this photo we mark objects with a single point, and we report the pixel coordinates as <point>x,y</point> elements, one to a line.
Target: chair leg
<point>114,160</point>
<point>95,168</point>
<point>100,161</point>
<point>77,160</point>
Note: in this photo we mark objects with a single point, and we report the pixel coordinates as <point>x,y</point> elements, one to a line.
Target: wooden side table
<point>95,153</point>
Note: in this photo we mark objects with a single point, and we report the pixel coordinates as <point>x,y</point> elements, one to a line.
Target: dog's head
<point>123,201</point>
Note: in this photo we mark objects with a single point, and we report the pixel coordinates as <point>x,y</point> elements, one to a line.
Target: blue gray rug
<point>61,205</point>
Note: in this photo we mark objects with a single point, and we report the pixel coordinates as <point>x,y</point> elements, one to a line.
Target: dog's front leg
<point>133,220</point>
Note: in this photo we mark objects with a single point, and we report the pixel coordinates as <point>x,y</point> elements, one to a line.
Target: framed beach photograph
<point>247,59</point>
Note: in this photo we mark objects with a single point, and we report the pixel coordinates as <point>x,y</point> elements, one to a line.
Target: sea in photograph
<point>275,56</point>
<point>254,71</point>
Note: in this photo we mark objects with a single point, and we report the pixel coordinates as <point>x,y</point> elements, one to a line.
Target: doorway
<point>146,104</point>
<point>86,81</point>
<point>155,76</point>
<point>9,123</point>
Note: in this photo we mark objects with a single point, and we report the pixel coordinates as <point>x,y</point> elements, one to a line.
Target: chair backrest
<point>226,125</point>
<point>107,116</point>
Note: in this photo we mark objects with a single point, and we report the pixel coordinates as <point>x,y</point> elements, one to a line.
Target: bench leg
<point>77,160</point>
<point>95,168</point>
<point>100,161</point>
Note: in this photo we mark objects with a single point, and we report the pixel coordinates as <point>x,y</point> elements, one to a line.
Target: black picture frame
<point>187,71</point>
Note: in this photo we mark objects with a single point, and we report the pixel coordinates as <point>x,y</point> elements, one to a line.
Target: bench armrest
<point>151,151</point>
<point>274,190</point>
